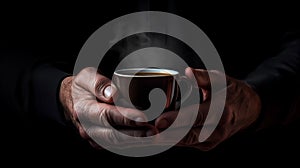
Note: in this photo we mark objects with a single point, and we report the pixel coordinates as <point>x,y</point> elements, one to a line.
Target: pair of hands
<point>89,96</point>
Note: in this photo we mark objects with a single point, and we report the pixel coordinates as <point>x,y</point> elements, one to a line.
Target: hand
<point>242,108</point>
<point>87,97</point>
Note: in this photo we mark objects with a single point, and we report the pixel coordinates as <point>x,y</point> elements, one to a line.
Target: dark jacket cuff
<point>46,81</point>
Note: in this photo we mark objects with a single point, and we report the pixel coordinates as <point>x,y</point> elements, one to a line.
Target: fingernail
<point>139,119</point>
<point>109,91</point>
<point>162,124</point>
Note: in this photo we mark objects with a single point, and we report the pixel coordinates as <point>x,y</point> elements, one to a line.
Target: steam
<point>153,57</point>
<point>145,49</point>
<point>139,49</point>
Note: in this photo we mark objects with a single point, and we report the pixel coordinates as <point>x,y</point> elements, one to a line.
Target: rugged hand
<point>87,99</point>
<point>242,108</point>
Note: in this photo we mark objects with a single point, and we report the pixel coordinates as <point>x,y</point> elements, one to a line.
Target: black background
<point>244,34</point>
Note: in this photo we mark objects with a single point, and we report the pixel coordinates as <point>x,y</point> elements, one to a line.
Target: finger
<point>171,137</point>
<point>191,139</point>
<point>205,78</point>
<point>200,75</point>
<point>107,115</point>
<point>142,132</point>
<point>97,84</point>
<point>187,116</point>
<point>122,102</point>
<point>150,130</point>
<point>219,135</point>
<point>122,138</point>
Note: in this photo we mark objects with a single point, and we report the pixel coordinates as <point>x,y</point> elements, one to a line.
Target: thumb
<point>99,85</point>
<point>105,90</point>
<point>201,76</point>
<point>205,78</point>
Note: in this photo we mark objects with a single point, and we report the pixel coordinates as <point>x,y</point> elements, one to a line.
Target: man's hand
<point>242,108</point>
<point>88,97</point>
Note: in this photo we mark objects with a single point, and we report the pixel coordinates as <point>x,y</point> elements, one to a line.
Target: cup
<point>135,85</point>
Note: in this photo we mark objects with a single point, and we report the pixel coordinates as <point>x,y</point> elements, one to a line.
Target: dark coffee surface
<point>151,74</point>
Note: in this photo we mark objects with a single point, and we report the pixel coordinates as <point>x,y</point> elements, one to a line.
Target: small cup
<point>135,84</point>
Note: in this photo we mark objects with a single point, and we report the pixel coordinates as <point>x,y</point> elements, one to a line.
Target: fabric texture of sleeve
<point>46,81</point>
<point>277,82</point>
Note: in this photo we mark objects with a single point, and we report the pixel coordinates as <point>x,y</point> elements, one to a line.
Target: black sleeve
<point>46,79</point>
<point>29,89</point>
<point>277,82</point>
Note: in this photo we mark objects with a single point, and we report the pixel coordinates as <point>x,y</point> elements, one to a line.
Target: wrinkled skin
<point>88,96</point>
<point>242,108</point>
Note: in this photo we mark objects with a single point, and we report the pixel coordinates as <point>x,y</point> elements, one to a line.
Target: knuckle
<point>77,80</point>
<point>88,70</point>
<point>83,74</point>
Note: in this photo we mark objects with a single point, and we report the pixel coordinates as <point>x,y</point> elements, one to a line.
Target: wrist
<point>65,96</point>
<point>254,126</point>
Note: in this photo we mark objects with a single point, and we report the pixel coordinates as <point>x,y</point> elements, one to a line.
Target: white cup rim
<point>133,71</point>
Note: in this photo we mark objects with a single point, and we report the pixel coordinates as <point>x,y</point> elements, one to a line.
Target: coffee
<point>151,74</point>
